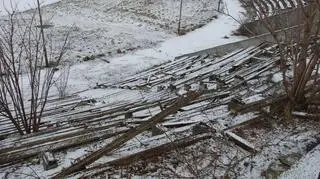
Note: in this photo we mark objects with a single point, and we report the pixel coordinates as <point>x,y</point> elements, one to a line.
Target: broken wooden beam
<point>241,142</point>
<point>118,142</point>
<point>159,150</point>
<point>258,105</point>
<point>150,153</point>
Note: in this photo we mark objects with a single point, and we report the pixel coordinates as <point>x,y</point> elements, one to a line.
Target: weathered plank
<point>129,135</point>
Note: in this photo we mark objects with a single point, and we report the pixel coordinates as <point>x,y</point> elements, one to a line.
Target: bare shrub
<point>297,37</point>
<point>62,81</point>
<point>24,84</point>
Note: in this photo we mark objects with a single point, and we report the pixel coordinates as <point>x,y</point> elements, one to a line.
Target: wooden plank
<point>90,119</point>
<point>217,70</point>
<point>129,135</point>
<point>149,153</point>
<point>306,115</point>
<point>257,105</point>
<point>24,153</point>
<point>241,142</point>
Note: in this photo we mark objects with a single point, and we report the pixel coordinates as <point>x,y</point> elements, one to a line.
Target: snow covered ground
<point>308,167</point>
<point>21,5</point>
<point>100,72</point>
<point>164,46</point>
<point>132,35</point>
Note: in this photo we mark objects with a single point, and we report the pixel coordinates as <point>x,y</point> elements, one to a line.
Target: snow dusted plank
<point>265,67</point>
<point>250,72</point>
<point>15,142</point>
<point>52,145</point>
<point>306,115</point>
<point>241,142</point>
<point>51,136</point>
<point>167,69</point>
<point>8,129</point>
<point>189,64</point>
<point>257,105</point>
<point>85,117</point>
<point>214,62</point>
<point>246,58</point>
<point>155,70</point>
<point>178,124</point>
<point>219,68</point>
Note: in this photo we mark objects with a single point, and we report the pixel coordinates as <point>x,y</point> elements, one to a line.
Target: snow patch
<point>308,167</point>
<point>21,5</point>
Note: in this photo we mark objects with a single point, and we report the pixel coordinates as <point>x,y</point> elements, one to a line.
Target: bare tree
<point>24,84</point>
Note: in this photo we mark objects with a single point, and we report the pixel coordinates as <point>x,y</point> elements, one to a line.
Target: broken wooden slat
<point>178,124</point>
<point>257,105</point>
<point>129,135</point>
<point>14,156</point>
<point>241,142</point>
<point>306,115</point>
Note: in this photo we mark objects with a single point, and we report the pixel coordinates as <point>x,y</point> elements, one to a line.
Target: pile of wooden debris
<point>199,115</point>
